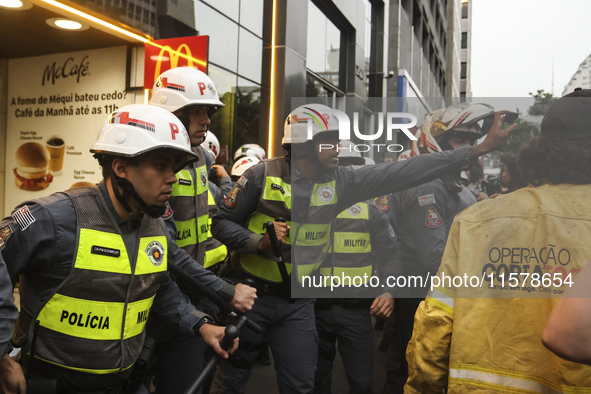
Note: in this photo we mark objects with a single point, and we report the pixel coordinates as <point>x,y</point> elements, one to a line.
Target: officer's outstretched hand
<point>212,335</point>
<point>244,297</point>
<point>281,229</point>
<point>495,138</point>
<point>382,306</point>
<point>12,379</point>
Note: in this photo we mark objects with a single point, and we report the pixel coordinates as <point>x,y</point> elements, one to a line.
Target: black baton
<point>277,252</point>
<point>231,333</point>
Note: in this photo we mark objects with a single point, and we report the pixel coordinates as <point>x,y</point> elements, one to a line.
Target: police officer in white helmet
<point>93,263</point>
<point>192,96</point>
<point>424,214</point>
<point>364,242</point>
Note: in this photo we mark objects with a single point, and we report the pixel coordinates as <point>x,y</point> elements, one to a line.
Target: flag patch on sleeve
<point>23,217</point>
<point>426,199</point>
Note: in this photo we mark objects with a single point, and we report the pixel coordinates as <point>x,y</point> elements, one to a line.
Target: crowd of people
<point>106,306</point>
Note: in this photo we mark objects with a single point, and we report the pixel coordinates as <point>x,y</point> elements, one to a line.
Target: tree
<point>543,101</point>
<point>524,132</point>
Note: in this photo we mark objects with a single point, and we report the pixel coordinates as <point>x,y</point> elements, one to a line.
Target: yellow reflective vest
<point>215,251</point>
<point>94,322</point>
<point>351,247</point>
<point>311,238</point>
<point>516,253</point>
<point>189,203</point>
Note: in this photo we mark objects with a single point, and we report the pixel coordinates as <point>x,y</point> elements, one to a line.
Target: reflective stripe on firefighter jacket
<point>312,237</point>
<point>95,321</point>
<point>351,253</point>
<point>189,204</point>
<point>215,251</point>
<point>487,337</point>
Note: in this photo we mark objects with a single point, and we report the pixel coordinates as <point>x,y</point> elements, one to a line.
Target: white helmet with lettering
<point>140,128</point>
<point>250,150</point>
<point>212,144</point>
<point>321,118</point>
<point>463,118</point>
<point>183,86</point>
<point>243,164</point>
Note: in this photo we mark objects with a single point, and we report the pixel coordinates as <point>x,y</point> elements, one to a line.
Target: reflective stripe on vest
<point>352,253</point>
<point>442,301</point>
<point>103,306</point>
<point>312,238</point>
<point>490,379</point>
<point>189,205</point>
<point>215,251</point>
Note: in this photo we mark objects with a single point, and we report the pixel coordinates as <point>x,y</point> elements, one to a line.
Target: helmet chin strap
<point>185,120</point>
<point>122,199</point>
<point>154,211</point>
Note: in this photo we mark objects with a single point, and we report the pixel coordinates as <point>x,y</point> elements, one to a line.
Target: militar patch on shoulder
<point>23,217</point>
<point>426,199</point>
<point>5,233</point>
<point>168,213</point>
<point>382,203</point>
<point>230,200</point>
<point>432,220</point>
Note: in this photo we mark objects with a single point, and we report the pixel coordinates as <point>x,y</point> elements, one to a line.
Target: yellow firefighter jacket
<point>516,254</point>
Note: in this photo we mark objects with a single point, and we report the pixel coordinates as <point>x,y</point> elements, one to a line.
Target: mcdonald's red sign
<point>161,55</point>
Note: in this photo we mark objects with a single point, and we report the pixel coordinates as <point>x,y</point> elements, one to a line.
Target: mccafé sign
<point>162,55</point>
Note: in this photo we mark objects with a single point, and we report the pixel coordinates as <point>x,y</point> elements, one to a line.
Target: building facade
<point>581,78</point>
<point>466,50</point>
<point>263,54</point>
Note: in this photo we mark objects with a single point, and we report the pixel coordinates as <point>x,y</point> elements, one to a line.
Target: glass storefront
<point>324,46</point>
<point>235,31</point>
<point>247,126</point>
<point>333,36</point>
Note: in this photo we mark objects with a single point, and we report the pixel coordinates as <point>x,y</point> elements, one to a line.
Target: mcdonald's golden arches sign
<point>162,55</point>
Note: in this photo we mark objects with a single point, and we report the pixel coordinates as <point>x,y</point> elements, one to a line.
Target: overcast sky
<point>515,42</point>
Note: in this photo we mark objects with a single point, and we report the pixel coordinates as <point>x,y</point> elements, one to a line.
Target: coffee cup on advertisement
<point>57,149</point>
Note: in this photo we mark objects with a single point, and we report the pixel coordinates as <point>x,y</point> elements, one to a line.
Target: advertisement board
<point>56,106</point>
